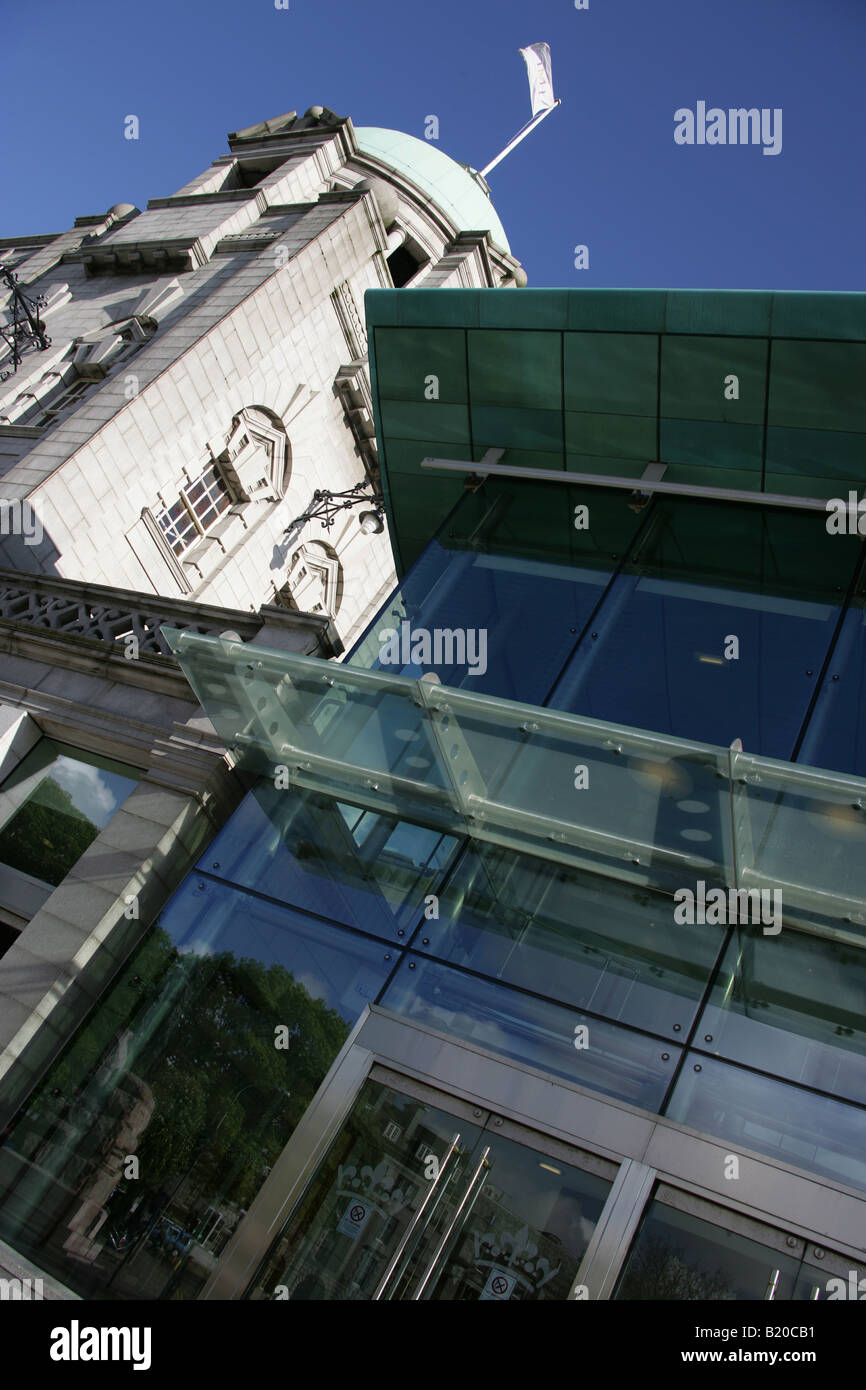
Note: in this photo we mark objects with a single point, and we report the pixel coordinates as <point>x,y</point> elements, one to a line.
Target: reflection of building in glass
<point>453,886</point>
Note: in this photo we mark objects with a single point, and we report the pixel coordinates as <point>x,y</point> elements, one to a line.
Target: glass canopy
<point>581,792</point>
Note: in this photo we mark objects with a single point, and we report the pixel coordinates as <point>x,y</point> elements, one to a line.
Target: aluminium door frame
<point>649,1149</point>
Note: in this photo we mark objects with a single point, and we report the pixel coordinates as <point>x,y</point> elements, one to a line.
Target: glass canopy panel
<point>577,791</point>
<point>641,807</point>
<point>803,833</point>
<point>594,794</point>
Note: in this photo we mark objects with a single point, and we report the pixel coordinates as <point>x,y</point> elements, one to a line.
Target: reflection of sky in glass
<point>306,858</point>
<point>95,792</point>
<point>342,969</point>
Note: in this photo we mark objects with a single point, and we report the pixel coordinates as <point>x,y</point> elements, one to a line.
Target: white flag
<point>537,60</point>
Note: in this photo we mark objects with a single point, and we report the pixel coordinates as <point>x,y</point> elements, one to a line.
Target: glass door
<point>421,1196</point>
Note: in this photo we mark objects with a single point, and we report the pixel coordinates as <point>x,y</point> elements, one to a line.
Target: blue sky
<point>603,170</point>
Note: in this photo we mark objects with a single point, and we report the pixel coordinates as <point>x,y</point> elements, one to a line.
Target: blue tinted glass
<point>524,565</point>
<point>836,733</point>
<point>342,970</point>
<point>795,1002</point>
<point>712,631</point>
<point>614,1061</point>
<point>587,941</point>
<point>659,664</point>
<point>201,1059</point>
<point>790,1124</point>
<point>357,867</point>
<point>516,618</point>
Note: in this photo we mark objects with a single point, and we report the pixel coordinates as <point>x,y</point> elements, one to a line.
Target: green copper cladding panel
<point>740,389</point>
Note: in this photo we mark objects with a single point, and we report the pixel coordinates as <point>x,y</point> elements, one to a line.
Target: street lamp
<point>326,504</point>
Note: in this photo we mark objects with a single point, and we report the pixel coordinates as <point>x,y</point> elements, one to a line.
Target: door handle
<point>407,1234</point>
<point>482,1163</point>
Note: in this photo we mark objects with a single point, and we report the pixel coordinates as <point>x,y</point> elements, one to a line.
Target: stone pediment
<point>290,121</point>
<point>275,126</point>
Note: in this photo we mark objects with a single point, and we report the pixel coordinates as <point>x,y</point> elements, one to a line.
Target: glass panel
<point>504,428</point>
<point>713,445</point>
<point>650,810</point>
<point>512,774</point>
<point>694,378</point>
<point>615,373</point>
<point>661,654</point>
<point>198,1063</point>
<point>583,940</point>
<point>53,806</point>
<point>608,436</point>
<point>425,420</point>
<point>805,833</point>
<point>526,1233</point>
<point>367,870</point>
<point>371,1214</point>
<point>818,385</point>
<point>526,582</point>
<point>646,808</point>
<point>836,733</point>
<point>616,1061</point>
<point>677,1257</point>
<point>405,359</point>
<point>846,1281</point>
<point>413,1202</point>
<point>505,625</point>
<point>826,460</point>
<point>796,1003</point>
<point>786,1122</point>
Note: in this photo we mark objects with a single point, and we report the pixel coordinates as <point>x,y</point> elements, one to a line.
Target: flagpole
<point>521,135</point>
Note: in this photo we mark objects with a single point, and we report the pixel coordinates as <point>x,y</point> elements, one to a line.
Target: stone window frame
<point>320,558</point>
<point>208,492</point>
<point>237,475</point>
<point>254,428</point>
<point>82,363</point>
<point>21,895</point>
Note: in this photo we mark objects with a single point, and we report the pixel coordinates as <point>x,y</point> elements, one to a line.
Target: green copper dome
<point>443,180</point>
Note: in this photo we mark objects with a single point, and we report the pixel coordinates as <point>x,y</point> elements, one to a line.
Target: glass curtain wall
<point>203,1056</point>
<point>703,620</point>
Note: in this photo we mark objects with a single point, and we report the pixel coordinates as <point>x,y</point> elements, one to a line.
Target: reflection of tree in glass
<point>219,1081</point>
<point>199,1032</point>
<point>47,836</point>
<point>656,1271</point>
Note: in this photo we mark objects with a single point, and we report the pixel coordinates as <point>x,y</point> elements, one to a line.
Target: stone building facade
<point>206,373</point>
<point>201,373</point>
